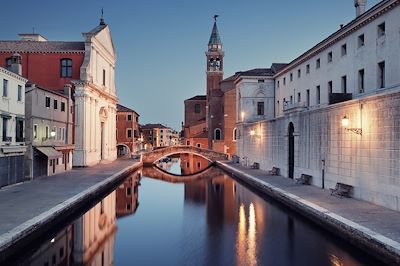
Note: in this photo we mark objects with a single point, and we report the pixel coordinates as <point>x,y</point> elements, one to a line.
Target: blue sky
<point>160,44</point>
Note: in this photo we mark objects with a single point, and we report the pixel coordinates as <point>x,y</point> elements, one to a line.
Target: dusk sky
<point>160,44</point>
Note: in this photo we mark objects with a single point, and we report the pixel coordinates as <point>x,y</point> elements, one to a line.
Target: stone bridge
<point>157,173</point>
<point>149,158</point>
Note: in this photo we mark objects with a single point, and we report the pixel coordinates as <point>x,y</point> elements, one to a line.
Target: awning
<point>50,152</point>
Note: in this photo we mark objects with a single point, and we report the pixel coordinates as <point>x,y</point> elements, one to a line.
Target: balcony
<point>294,107</point>
<point>339,97</point>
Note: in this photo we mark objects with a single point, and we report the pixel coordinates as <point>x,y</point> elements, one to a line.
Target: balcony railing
<point>294,107</point>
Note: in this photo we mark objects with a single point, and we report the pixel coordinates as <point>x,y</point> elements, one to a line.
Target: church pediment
<point>104,38</point>
<point>102,35</point>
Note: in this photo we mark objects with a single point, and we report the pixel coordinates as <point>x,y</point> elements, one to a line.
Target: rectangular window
<point>55,132</point>
<point>284,81</point>
<point>360,41</point>
<point>55,104</point>
<point>277,83</point>
<point>381,29</point>
<point>308,98</point>
<point>35,131</point>
<point>66,68</point>
<point>318,94</point>
<point>5,124</point>
<point>47,102</point>
<point>344,49</point>
<point>197,108</point>
<point>63,134</point>
<point>129,117</point>
<point>104,77</point>
<point>260,108</point>
<point>344,84</point>
<point>5,88</point>
<point>8,63</point>
<point>361,80</point>
<point>59,133</point>
<point>19,93</point>
<point>381,74</point>
<point>298,97</point>
<point>47,132</point>
<point>62,106</point>
<point>291,99</point>
<point>19,130</point>
<point>291,76</point>
<point>330,55</point>
<point>260,81</point>
<point>308,69</point>
<point>318,63</point>
<point>129,133</point>
<point>299,73</point>
<point>330,87</point>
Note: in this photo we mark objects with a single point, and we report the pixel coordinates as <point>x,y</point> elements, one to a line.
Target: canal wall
<point>57,202</point>
<point>377,245</point>
<point>370,162</point>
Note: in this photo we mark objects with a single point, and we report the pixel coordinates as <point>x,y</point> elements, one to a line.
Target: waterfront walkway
<point>27,206</point>
<point>365,224</point>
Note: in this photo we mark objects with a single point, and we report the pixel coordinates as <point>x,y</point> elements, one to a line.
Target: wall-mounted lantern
<point>53,133</point>
<point>345,124</point>
<point>242,116</point>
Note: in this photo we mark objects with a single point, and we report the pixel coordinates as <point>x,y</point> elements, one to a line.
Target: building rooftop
<point>214,38</point>
<point>197,98</point>
<point>151,126</point>
<point>121,108</point>
<point>41,46</point>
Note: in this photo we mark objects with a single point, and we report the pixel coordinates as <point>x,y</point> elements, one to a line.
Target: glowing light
<point>345,121</point>
<point>252,245</point>
<point>52,241</point>
<point>242,115</point>
<point>252,133</point>
<point>53,133</point>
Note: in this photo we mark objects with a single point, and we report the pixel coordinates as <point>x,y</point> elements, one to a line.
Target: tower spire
<point>214,38</point>
<point>102,17</point>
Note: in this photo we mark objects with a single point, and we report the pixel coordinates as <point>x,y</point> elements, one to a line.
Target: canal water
<point>198,219</point>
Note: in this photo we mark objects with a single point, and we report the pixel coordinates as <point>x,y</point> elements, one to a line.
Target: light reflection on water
<point>211,221</point>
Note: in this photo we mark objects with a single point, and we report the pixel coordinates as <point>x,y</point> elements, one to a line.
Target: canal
<point>207,219</point>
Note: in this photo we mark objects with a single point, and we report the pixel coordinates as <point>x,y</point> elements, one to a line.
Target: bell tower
<point>215,73</point>
<point>215,60</point>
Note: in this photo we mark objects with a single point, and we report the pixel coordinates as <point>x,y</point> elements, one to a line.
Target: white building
<point>95,100</point>
<point>12,118</point>
<point>337,111</point>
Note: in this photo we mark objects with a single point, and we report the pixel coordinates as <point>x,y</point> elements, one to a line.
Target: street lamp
<point>345,124</point>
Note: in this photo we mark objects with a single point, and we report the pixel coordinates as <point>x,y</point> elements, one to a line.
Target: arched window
<point>235,136</point>
<point>217,134</point>
<point>66,68</point>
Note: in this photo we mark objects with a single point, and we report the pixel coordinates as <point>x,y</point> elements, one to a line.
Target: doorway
<point>291,150</point>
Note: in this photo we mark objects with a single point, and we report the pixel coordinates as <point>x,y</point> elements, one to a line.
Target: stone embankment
<point>372,228</point>
<point>29,209</point>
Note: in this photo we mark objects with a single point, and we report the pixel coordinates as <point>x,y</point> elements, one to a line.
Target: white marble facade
<point>95,101</point>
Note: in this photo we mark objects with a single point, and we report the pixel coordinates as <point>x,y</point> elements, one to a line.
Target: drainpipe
<point>323,173</point>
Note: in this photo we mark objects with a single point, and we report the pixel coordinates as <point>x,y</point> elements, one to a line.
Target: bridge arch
<point>123,149</point>
<point>160,174</point>
<point>149,158</point>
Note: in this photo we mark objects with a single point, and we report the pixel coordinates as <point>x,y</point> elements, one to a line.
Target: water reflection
<point>89,240</point>
<point>210,221</point>
<point>183,164</point>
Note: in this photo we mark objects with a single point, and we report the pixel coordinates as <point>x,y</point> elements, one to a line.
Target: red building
<point>195,128</point>
<point>50,64</point>
<point>128,136</point>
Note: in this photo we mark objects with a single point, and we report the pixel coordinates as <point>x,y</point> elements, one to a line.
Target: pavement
<point>371,227</point>
<point>28,206</point>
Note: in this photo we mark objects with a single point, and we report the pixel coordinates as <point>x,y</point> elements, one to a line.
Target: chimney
<point>360,6</point>
<point>67,90</point>
<point>16,66</point>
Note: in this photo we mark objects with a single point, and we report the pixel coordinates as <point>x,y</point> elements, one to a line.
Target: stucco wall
<point>369,162</point>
